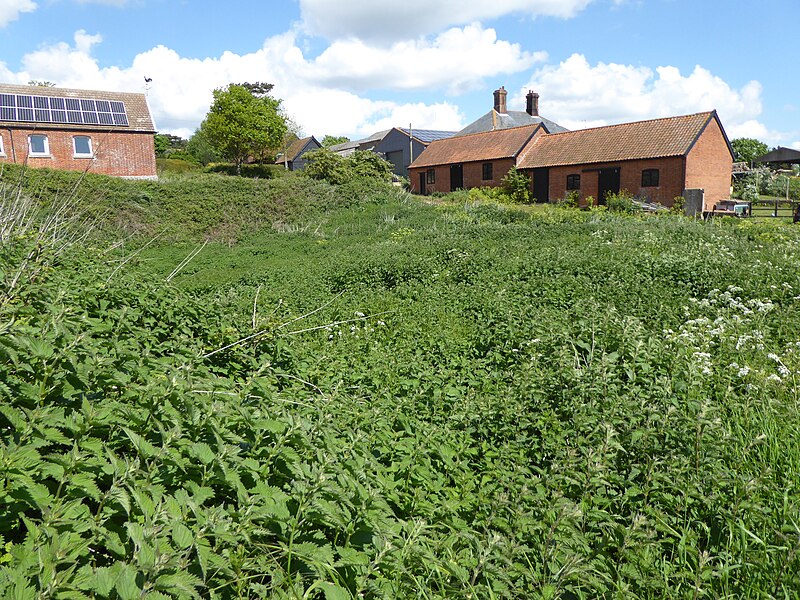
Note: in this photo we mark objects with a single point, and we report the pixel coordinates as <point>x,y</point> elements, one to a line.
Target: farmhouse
<point>292,157</point>
<point>656,160</point>
<point>105,132</point>
<point>400,146</point>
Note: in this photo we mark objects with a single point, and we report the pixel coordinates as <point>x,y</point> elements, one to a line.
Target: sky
<point>347,67</point>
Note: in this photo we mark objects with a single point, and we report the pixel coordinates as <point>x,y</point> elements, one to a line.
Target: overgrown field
<point>375,397</point>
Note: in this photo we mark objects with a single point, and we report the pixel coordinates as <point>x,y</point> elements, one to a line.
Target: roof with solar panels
<point>43,107</point>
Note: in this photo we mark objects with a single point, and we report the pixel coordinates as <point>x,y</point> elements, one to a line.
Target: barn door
<point>422,184</point>
<point>541,185</point>
<point>456,177</point>
<point>607,183</point>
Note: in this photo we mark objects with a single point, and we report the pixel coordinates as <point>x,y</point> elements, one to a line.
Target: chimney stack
<point>533,103</point>
<point>500,100</point>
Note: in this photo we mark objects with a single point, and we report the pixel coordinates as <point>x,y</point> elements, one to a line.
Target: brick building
<point>472,160</point>
<point>109,133</point>
<point>656,160</point>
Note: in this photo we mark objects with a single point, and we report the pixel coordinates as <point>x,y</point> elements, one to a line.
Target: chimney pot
<point>533,103</point>
<point>500,100</point>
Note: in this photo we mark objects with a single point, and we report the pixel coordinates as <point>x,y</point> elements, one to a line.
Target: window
<point>82,144</point>
<point>2,150</point>
<point>573,182</point>
<point>430,176</point>
<point>38,145</point>
<point>650,178</point>
<point>487,172</point>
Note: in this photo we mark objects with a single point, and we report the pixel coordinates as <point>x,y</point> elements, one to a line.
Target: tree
<point>332,140</point>
<point>199,147</point>
<point>244,121</point>
<point>167,144</point>
<point>748,149</point>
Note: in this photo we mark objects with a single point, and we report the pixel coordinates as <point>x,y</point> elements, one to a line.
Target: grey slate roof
<point>493,120</point>
<point>139,118</point>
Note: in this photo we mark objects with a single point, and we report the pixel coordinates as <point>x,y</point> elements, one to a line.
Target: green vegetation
<point>361,395</point>
<point>325,165</point>
<point>245,122</point>
<point>748,149</point>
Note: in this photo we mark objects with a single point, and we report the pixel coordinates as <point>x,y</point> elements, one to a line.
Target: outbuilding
<point>655,160</point>
<point>110,133</point>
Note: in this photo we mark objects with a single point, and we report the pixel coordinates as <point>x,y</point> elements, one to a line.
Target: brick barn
<point>472,160</point>
<point>109,133</point>
<point>655,160</point>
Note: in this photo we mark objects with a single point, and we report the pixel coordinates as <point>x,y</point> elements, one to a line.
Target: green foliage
<point>242,124</point>
<point>249,171</point>
<point>201,149</point>
<point>570,200</point>
<point>621,203</point>
<point>399,400</point>
<point>748,149</point>
<point>678,205</point>
<point>332,140</point>
<point>328,166</point>
<point>517,185</point>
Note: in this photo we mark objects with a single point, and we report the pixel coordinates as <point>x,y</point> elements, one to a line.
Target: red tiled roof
<point>139,118</point>
<point>657,138</point>
<point>489,145</point>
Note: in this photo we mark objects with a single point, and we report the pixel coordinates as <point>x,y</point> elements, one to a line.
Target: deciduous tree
<point>244,121</point>
<point>748,149</point>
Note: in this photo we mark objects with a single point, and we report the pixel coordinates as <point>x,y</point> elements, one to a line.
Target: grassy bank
<point>382,398</point>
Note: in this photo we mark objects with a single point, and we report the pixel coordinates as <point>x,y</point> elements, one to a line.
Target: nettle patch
<point>454,401</point>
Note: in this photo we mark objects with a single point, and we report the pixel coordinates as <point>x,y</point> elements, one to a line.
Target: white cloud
<point>382,21</point>
<point>576,95</point>
<point>11,9</point>
<point>181,91</point>
<point>458,59</point>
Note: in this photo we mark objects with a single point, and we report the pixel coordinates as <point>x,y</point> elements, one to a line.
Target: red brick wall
<point>709,166</point>
<point>670,184</point>
<point>129,154</point>
<point>473,175</point>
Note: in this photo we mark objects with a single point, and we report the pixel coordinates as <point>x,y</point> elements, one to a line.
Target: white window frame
<point>2,148</point>
<point>75,153</point>
<point>46,145</point>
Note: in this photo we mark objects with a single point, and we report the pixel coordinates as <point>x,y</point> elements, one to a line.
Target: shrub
<point>247,171</point>
<point>517,185</point>
<point>621,203</point>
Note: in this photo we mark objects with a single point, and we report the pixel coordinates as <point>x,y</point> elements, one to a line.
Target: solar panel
<point>73,111</point>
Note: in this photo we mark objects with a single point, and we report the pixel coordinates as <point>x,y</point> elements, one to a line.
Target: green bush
<point>517,186</point>
<point>249,171</point>
<point>621,203</point>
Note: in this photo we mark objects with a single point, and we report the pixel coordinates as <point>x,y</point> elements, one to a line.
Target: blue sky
<point>352,68</point>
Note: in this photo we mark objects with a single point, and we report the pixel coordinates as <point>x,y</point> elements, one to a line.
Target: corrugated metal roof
<point>426,136</point>
<point>657,138</point>
<point>494,120</point>
<point>139,118</point>
<point>489,145</point>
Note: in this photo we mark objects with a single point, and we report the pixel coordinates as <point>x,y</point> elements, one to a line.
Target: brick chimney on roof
<point>533,103</point>
<point>500,100</point>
